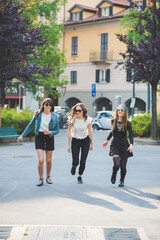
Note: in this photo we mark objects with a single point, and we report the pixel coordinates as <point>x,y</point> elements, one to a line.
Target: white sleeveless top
<point>45,122</point>
<point>79,129</point>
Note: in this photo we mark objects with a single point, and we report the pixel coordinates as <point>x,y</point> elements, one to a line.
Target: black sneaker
<point>40,182</point>
<point>79,180</point>
<point>73,170</point>
<point>121,184</point>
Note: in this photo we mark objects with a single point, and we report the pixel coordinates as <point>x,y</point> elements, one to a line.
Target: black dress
<point>120,144</point>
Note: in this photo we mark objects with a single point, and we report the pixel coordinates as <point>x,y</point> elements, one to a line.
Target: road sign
<point>63,90</point>
<point>133,101</point>
<point>94,90</point>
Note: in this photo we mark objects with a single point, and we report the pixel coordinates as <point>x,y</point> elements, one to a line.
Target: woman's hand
<point>130,149</point>
<point>104,145</point>
<point>91,147</point>
<point>19,139</point>
<point>69,149</point>
<point>46,132</point>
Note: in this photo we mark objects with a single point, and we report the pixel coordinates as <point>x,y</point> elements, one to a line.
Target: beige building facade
<point>92,51</point>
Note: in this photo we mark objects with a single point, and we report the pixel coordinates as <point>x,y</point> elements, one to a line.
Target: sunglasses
<point>76,110</point>
<point>48,105</point>
<point>120,110</point>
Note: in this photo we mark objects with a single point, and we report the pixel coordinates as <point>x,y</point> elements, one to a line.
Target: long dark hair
<point>46,100</point>
<point>83,107</point>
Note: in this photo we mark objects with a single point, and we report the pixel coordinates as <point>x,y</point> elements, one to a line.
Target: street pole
<point>133,96</point>
<point>19,96</point>
<point>148,97</point>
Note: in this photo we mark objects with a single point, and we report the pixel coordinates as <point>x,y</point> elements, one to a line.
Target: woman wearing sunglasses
<point>46,126</point>
<point>120,149</point>
<point>80,129</point>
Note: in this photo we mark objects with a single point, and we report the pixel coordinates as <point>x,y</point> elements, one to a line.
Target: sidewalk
<point>71,233</point>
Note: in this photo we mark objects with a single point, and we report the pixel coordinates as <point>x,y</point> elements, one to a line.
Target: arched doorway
<point>140,106</point>
<point>103,104</point>
<point>71,102</point>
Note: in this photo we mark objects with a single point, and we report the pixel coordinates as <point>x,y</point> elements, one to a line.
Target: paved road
<point>95,203</point>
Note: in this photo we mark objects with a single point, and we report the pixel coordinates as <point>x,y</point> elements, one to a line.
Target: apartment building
<point>92,51</point>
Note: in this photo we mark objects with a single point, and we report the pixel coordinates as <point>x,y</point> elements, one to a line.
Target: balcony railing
<point>101,56</point>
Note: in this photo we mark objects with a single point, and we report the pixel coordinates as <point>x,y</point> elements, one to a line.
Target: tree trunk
<point>154,111</point>
<point>3,94</point>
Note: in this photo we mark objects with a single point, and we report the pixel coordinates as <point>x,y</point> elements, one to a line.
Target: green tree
<point>141,34</point>
<point>18,43</point>
<point>44,14</point>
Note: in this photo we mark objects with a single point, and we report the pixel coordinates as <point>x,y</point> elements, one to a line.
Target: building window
<point>76,16</point>
<point>139,6</point>
<point>106,11</point>
<point>74,46</point>
<point>104,45</point>
<point>102,76</point>
<point>73,77</point>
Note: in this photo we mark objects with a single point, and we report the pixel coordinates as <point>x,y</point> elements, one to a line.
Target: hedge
<point>141,126</point>
<point>11,118</point>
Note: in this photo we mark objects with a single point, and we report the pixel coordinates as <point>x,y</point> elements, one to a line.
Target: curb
<point>144,141</point>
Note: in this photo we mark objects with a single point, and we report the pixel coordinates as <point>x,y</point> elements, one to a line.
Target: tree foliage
<point>44,14</point>
<point>18,46</point>
<point>142,56</point>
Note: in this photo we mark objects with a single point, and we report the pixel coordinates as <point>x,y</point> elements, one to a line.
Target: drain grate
<point>56,233</point>
<point>121,234</point>
<point>5,232</point>
<point>23,156</point>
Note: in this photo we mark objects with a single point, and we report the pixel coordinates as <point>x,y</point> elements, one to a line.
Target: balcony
<point>101,56</point>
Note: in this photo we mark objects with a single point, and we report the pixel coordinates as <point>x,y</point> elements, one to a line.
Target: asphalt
<point>94,210</point>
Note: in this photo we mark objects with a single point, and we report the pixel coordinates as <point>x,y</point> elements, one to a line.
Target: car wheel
<point>95,126</point>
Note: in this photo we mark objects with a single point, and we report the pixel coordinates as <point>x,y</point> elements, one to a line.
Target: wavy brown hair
<point>46,100</point>
<point>83,107</point>
<point>116,117</point>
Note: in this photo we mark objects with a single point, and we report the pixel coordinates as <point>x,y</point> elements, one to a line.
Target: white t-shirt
<point>45,122</point>
<point>79,129</point>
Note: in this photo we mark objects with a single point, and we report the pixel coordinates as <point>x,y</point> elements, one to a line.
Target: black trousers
<point>76,146</point>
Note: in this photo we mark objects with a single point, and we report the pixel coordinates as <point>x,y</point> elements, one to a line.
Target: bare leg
<point>40,154</point>
<point>48,162</point>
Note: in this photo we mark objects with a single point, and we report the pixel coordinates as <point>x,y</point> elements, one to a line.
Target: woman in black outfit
<point>120,149</point>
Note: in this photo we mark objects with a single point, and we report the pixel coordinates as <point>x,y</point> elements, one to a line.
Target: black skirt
<point>44,142</point>
<point>119,147</point>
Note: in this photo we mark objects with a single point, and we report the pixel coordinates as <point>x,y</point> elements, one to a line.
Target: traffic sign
<point>94,90</point>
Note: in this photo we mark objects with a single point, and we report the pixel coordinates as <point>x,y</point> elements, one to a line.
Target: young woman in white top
<point>80,130</point>
<point>46,126</point>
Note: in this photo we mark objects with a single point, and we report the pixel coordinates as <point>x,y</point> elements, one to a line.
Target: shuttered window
<point>74,46</point>
<point>73,77</point>
<point>102,76</point>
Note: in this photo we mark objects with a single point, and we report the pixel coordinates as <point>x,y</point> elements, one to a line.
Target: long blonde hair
<point>116,117</point>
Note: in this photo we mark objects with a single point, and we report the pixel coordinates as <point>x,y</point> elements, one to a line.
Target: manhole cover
<point>56,233</point>
<point>121,234</point>
<point>5,232</point>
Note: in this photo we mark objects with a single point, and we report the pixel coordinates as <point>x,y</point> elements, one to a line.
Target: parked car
<point>57,108</point>
<point>63,117</point>
<point>102,120</point>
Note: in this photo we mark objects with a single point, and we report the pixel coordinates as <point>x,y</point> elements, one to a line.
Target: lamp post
<point>63,93</point>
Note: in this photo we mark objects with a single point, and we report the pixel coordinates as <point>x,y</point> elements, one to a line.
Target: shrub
<point>10,118</point>
<point>141,126</point>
